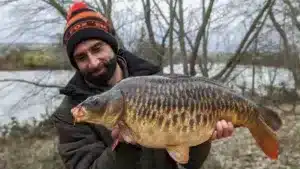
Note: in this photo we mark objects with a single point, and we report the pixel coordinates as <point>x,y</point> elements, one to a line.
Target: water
<point>25,101</point>
<point>243,74</point>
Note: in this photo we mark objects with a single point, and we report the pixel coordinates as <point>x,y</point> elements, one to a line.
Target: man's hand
<point>223,129</point>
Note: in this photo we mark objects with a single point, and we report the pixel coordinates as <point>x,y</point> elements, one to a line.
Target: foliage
<point>37,58</point>
<point>46,57</point>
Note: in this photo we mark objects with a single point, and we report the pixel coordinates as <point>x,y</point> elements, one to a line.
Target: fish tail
<point>265,137</point>
<point>271,118</point>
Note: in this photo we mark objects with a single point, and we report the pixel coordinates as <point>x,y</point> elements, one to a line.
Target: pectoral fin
<point>126,133</point>
<point>179,153</point>
<point>123,133</point>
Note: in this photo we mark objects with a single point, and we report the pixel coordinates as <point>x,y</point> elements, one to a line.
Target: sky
<point>227,37</point>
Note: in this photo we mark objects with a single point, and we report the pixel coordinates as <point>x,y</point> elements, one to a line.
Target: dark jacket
<point>88,146</point>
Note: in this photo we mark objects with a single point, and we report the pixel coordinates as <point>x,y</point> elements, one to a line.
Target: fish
<point>177,112</point>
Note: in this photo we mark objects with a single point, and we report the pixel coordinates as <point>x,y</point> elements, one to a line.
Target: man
<point>94,52</point>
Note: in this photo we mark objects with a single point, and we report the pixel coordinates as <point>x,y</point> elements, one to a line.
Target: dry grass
<point>30,153</point>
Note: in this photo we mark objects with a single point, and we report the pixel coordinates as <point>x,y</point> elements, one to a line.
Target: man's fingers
<point>219,130</point>
<point>214,135</point>
<point>225,132</point>
<point>223,129</point>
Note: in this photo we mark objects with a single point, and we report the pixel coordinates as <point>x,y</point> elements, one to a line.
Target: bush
<point>37,59</point>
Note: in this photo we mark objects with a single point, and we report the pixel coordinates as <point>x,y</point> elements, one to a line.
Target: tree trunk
<point>171,36</point>
<point>203,60</point>
<point>200,34</point>
<point>181,38</point>
<point>147,15</point>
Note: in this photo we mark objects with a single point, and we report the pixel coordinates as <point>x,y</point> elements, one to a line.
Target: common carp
<point>175,113</point>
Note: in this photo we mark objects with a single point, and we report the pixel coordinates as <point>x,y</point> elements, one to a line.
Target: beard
<point>103,78</point>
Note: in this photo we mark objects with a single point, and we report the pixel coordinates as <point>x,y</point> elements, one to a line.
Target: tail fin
<point>266,138</point>
<point>271,118</point>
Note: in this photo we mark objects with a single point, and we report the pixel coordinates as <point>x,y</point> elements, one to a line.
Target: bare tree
<point>242,46</point>
<point>181,33</point>
<point>172,5</point>
<point>199,36</point>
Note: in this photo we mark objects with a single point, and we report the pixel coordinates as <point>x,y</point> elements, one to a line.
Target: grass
<point>29,146</point>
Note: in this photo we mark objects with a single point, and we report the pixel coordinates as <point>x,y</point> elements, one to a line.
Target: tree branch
<point>293,13</point>
<point>32,83</point>
<point>57,6</point>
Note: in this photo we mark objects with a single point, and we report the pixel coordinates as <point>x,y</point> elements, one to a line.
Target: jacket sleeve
<point>80,148</point>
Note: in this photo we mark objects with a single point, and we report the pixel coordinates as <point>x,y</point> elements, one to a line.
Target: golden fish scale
<point>182,110</point>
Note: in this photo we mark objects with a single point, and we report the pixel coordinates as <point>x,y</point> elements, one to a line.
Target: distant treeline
<point>30,59</point>
<point>54,58</point>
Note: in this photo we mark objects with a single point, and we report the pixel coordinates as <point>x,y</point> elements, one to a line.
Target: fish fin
<point>271,118</point>
<point>179,153</point>
<point>127,136</point>
<point>266,138</point>
<point>126,133</point>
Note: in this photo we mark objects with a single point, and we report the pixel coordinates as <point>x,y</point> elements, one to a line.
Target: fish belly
<point>154,134</point>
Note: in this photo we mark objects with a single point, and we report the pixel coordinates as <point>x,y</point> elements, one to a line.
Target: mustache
<point>99,67</point>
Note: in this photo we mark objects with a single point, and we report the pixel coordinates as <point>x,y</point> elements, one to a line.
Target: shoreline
<point>35,69</point>
<point>46,68</point>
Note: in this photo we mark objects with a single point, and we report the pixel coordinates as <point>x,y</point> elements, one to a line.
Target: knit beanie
<point>84,23</point>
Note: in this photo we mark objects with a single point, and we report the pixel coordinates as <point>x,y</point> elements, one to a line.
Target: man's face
<point>94,59</point>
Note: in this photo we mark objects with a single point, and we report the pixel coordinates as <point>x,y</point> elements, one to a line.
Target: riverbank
<point>6,65</point>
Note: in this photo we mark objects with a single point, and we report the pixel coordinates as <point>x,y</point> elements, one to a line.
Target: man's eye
<point>96,49</point>
<point>81,57</point>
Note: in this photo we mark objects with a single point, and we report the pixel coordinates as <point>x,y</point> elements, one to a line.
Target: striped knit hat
<point>84,23</point>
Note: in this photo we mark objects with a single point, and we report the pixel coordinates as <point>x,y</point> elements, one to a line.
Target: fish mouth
<point>79,113</point>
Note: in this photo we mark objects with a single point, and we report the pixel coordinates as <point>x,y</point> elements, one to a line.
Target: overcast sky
<point>231,35</point>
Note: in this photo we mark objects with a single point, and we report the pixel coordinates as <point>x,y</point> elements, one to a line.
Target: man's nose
<point>93,61</point>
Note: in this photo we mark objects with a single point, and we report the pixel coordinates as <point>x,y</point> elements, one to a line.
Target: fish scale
<point>180,107</point>
<point>176,113</point>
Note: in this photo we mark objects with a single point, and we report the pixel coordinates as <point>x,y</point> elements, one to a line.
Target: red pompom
<point>75,6</point>
<point>78,5</point>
